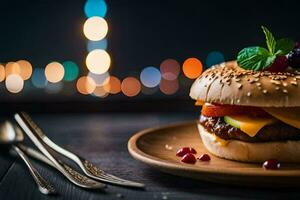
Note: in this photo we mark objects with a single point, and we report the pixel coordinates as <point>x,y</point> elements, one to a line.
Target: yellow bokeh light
<point>25,69</point>
<point>2,73</point>
<point>85,85</point>
<point>12,68</point>
<point>98,61</point>
<point>95,28</point>
<point>54,72</point>
<point>14,83</point>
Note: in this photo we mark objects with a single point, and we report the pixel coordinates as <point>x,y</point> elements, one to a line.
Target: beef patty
<point>274,132</point>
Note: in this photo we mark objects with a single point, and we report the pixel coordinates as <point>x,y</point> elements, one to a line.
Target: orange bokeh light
<point>192,68</point>
<point>25,69</point>
<point>100,92</point>
<point>2,73</point>
<point>85,85</point>
<point>113,85</point>
<point>12,68</point>
<point>169,87</point>
<point>54,72</point>
<point>131,86</point>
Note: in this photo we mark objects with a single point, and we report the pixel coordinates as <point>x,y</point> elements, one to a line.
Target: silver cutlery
<point>12,136</point>
<point>73,176</point>
<point>86,166</point>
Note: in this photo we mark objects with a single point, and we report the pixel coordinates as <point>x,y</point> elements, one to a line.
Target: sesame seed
<point>258,84</point>
<point>277,88</point>
<point>249,94</point>
<point>284,91</point>
<point>284,84</point>
<point>265,91</point>
<point>294,83</point>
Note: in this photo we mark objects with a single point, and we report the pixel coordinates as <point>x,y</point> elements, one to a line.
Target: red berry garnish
<point>184,150</point>
<point>188,158</point>
<point>279,65</point>
<point>271,164</point>
<point>297,45</point>
<point>204,157</point>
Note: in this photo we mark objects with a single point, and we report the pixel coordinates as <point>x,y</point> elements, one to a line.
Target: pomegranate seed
<point>189,158</point>
<point>184,150</point>
<point>204,157</point>
<point>271,164</point>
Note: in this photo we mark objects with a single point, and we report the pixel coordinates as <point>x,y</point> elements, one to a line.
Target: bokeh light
<point>38,78</point>
<point>169,87</point>
<point>100,79</point>
<point>54,72</point>
<point>131,86</point>
<point>213,58</point>
<point>14,83</point>
<point>53,88</point>
<point>95,8</point>
<point>85,85</point>
<point>113,86</point>
<point>101,44</point>
<point>150,77</point>
<point>71,71</point>
<point>169,69</point>
<point>98,61</point>
<point>25,69</point>
<point>95,28</point>
<point>2,73</point>
<point>12,68</point>
<point>192,68</point>
<point>100,92</point>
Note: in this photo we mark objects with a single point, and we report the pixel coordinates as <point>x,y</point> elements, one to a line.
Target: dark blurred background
<point>154,49</point>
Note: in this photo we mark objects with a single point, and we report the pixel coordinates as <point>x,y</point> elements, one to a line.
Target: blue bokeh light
<point>150,77</point>
<point>95,8</point>
<point>101,44</point>
<point>213,58</point>
<point>38,78</point>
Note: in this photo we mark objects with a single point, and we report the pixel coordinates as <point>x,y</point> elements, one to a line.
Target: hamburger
<point>250,114</point>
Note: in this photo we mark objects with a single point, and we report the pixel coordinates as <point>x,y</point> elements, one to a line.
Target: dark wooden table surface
<point>103,138</point>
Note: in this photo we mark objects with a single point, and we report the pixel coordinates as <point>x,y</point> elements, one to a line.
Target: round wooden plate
<point>157,147</point>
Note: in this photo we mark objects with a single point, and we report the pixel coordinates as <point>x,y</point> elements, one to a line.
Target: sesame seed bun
<point>284,151</point>
<point>227,83</point>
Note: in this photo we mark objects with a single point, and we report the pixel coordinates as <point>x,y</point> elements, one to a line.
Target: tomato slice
<point>217,110</point>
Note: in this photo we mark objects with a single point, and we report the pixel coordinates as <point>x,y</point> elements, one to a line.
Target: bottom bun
<point>286,151</point>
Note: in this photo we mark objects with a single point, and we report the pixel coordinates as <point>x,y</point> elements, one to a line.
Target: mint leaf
<point>284,46</point>
<point>255,58</point>
<point>271,42</point>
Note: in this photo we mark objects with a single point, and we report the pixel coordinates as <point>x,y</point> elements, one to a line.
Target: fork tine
<point>95,172</point>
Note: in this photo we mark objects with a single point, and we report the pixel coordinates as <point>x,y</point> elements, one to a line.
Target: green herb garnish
<point>259,58</point>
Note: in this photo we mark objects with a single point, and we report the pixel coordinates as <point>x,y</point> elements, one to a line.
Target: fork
<point>72,175</point>
<point>86,166</point>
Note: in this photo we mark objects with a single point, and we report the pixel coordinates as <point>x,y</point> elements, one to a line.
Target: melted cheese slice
<point>250,125</point>
<point>290,116</point>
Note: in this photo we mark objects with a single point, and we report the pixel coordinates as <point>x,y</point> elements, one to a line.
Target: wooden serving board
<point>157,147</point>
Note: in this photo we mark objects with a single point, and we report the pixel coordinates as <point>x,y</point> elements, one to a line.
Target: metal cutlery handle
<point>86,166</point>
<point>37,155</point>
<point>68,172</point>
<point>43,185</point>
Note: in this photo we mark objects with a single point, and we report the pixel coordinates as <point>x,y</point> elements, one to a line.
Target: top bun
<point>227,83</point>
